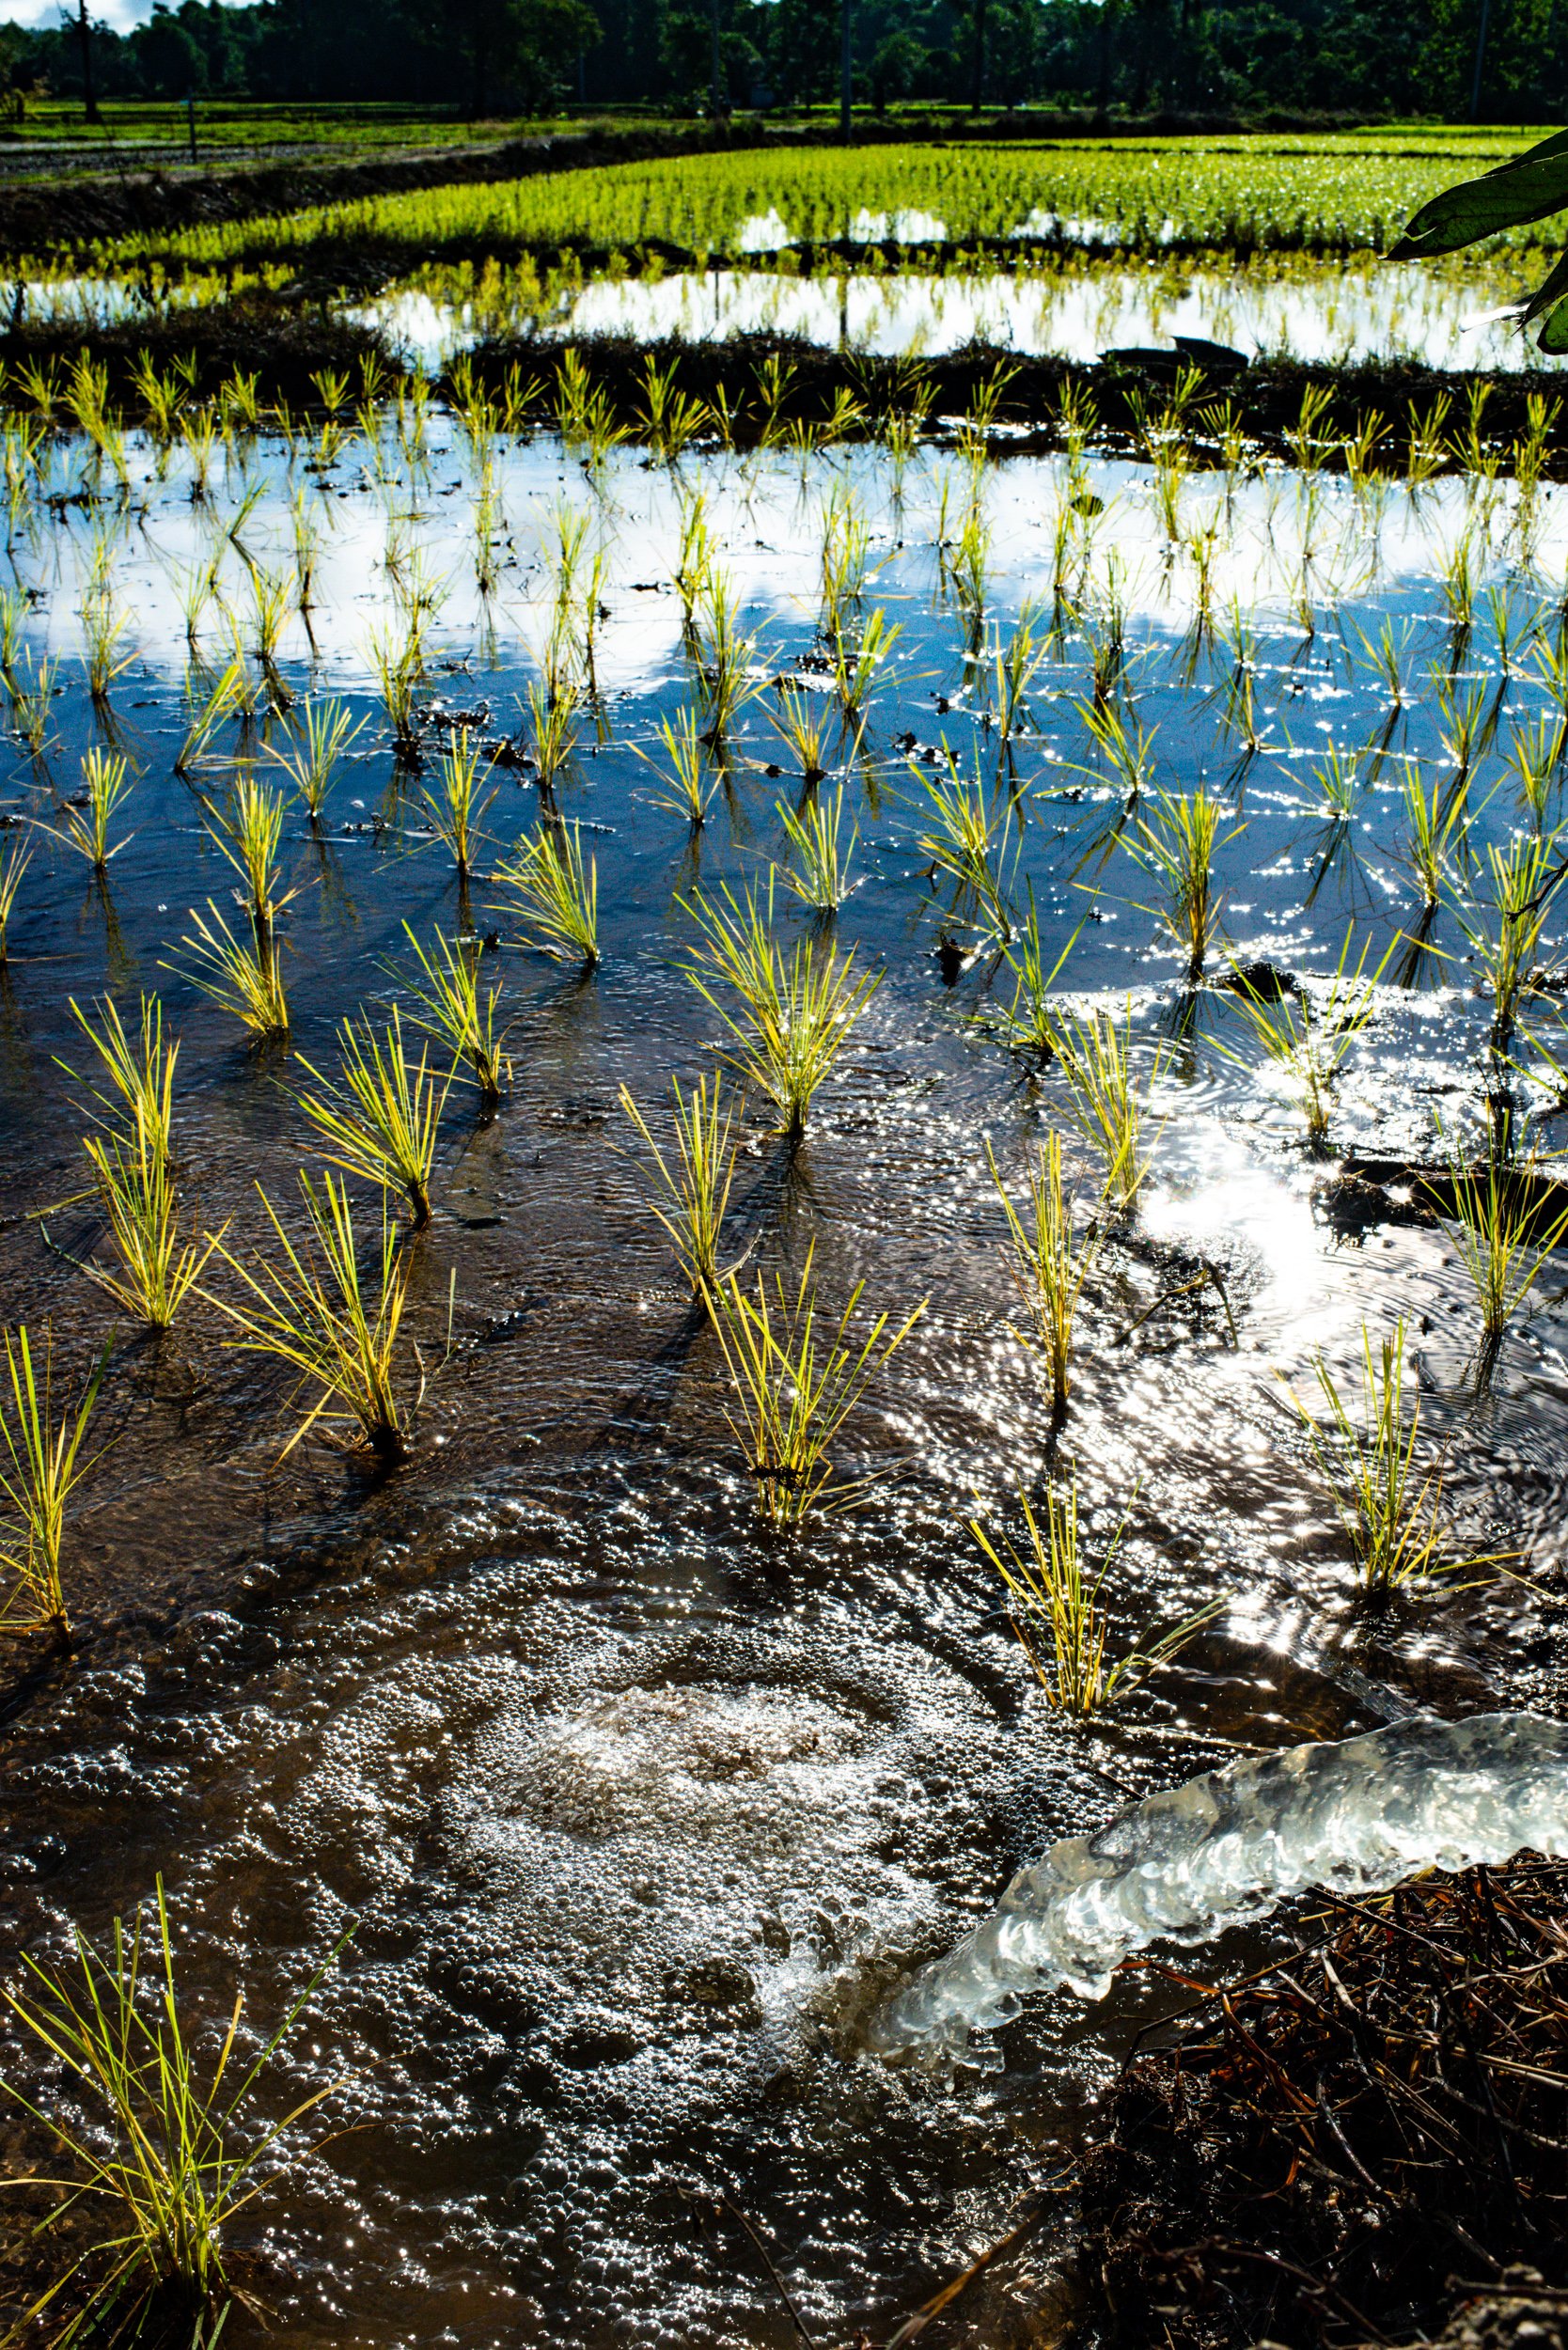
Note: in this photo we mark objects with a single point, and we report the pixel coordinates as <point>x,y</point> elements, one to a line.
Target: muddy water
<point>638,1810</point>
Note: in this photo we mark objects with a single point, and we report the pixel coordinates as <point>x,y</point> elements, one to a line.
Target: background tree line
<point>499,57</point>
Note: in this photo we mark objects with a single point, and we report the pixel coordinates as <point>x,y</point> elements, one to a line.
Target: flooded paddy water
<point>639,1808</point>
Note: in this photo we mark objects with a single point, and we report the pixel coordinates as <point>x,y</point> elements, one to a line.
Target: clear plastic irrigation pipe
<point>1356,1816</point>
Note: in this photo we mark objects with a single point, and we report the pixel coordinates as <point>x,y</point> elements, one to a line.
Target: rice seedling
<point>1124,743</point>
<point>669,418</point>
<point>1535,755</point>
<point>692,787</point>
<point>14,608</point>
<point>385,1131</point>
<point>689,1190</point>
<point>398,665</point>
<point>31,685</point>
<point>1019,659</point>
<point>1366,1451</point>
<point>1049,1266</point>
<point>318,1318</point>
<point>44,1467</point>
<point>1057,1613</point>
<point>1309,1040</point>
<point>819,876</point>
<point>236,974</point>
<point>1385,658</point>
<point>723,656</point>
<point>247,833</point>
<point>158,1267</point>
<point>797,1009</point>
<point>967,841</point>
<point>1502,1223</point>
<point>797,1377</point>
<point>102,629</point>
<point>1179,849</point>
<point>1096,1057</point>
<point>163,2160</point>
<point>1504,922</point>
<point>858,661</point>
<point>325,731</point>
<point>452,1009</point>
<point>227,696</point>
<point>801,723</point>
<point>1027,1023</point>
<point>1435,826</point>
<point>459,809</point>
<point>558,894</point>
<point>140,1101</point>
<point>553,729</point>
<point>1466,729</point>
<point>107,785</point>
<point>17,859</point>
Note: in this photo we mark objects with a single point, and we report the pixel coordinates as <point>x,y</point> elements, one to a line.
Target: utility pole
<point>846,70</point>
<point>84,34</point>
<point>1480,63</point>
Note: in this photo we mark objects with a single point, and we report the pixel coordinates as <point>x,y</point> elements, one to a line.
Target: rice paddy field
<point>746,1159</point>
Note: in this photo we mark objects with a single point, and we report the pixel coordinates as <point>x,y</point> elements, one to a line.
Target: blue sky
<point>121,14</point>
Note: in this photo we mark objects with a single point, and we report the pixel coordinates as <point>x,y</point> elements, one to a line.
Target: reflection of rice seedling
<point>559,896</point>
<point>107,784</point>
<point>322,1324</point>
<point>819,877</point>
<point>1057,1615</point>
<point>968,843</point>
<point>1390,1512</point>
<point>694,786</point>
<point>452,1009</point>
<point>1096,1055</point>
<point>457,810</point>
<point>157,1268</point>
<point>165,2159</point>
<point>141,1075</point>
<point>1179,849</point>
<point>797,1009</point>
<point>42,1468</point>
<point>1504,1231</point>
<point>386,1131</point>
<point>324,732</point>
<point>690,1189</point>
<point>1050,1271</point>
<point>795,1386</point>
<point>1311,1042</point>
<point>801,723</point>
<point>235,975</point>
<point>17,860</point>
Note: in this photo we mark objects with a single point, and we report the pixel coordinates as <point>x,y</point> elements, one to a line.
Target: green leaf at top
<point>1531,186</point>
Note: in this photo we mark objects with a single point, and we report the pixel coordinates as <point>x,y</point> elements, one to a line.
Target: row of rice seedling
<point>1241,196</point>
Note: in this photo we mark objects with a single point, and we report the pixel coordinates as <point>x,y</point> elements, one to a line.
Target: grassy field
<point>235,127</point>
<point>1330,195</point>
